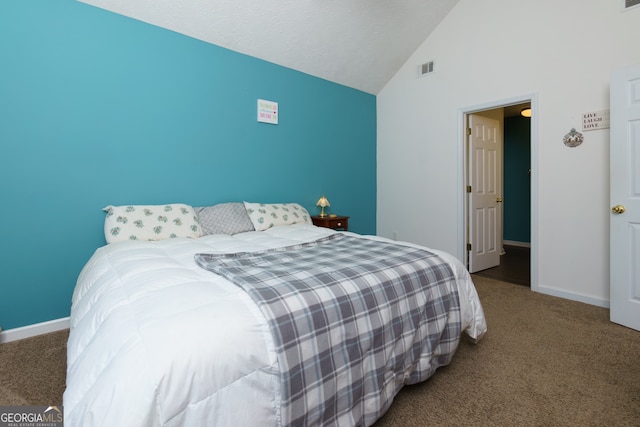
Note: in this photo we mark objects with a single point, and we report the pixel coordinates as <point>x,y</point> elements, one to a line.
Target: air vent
<point>631,3</point>
<point>426,68</point>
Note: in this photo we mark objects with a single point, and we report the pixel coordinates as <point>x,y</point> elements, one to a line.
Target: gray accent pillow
<point>224,218</point>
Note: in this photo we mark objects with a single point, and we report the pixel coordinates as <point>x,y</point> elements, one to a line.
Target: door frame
<point>463,172</point>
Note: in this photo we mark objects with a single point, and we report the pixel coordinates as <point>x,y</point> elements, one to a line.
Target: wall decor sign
<point>595,120</point>
<point>267,111</point>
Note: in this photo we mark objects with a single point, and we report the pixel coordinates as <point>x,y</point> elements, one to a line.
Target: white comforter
<point>157,340</point>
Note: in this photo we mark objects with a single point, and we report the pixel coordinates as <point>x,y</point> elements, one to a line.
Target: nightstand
<point>335,222</point>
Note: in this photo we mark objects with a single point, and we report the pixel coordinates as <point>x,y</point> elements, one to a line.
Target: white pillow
<point>150,222</point>
<point>264,216</point>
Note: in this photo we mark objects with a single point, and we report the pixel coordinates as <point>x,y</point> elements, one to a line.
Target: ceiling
<point>356,43</point>
<point>514,110</point>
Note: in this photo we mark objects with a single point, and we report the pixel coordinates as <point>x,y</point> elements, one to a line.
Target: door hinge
<point>468,131</point>
<point>468,246</point>
<point>468,189</point>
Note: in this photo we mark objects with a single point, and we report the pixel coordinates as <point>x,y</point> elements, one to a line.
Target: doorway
<point>516,229</point>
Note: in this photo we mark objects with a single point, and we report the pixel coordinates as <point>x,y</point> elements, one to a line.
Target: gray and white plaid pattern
<point>224,218</point>
<point>353,320</point>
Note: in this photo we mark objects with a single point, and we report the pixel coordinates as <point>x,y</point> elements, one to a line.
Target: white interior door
<point>485,195</point>
<point>625,197</point>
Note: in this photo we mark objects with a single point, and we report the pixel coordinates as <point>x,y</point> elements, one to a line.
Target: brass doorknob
<point>618,209</point>
<point>499,200</point>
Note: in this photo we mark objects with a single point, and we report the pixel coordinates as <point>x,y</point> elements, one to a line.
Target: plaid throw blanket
<point>353,320</point>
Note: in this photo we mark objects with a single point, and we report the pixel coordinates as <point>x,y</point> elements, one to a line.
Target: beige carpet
<point>544,362</point>
<point>33,370</point>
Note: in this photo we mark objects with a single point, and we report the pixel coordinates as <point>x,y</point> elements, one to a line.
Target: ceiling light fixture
<point>526,112</point>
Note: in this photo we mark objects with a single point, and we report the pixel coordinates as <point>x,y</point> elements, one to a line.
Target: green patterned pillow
<point>264,216</point>
<point>150,222</point>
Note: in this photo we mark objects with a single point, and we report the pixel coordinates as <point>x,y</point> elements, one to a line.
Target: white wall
<point>486,51</point>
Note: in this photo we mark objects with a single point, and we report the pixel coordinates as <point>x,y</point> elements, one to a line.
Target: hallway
<point>515,266</point>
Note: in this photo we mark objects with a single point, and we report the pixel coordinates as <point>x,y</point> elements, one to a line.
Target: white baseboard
<point>548,290</point>
<point>514,243</point>
<point>33,330</point>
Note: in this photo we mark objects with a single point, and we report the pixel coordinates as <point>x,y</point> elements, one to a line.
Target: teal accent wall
<point>517,181</point>
<point>99,109</point>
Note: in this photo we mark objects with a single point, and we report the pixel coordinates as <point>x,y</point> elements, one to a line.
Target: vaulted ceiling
<point>356,43</point>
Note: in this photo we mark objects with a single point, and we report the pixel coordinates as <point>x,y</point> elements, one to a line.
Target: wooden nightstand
<point>335,222</point>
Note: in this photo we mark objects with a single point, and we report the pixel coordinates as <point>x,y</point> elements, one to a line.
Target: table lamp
<point>323,203</point>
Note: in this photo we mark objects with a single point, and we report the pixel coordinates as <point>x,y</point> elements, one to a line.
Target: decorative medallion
<point>573,138</point>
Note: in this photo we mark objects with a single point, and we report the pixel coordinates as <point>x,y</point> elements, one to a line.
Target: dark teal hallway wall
<point>517,179</point>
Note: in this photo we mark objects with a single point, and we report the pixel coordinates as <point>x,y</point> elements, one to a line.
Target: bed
<point>276,323</point>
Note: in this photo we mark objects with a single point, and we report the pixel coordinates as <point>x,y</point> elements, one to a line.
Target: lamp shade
<point>323,202</point>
